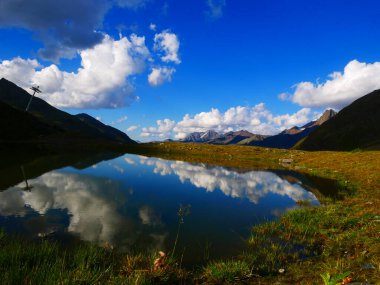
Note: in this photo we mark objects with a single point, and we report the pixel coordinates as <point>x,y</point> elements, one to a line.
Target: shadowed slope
<point>19,125</point>
<point>356,126</point>
<point>80,126</point>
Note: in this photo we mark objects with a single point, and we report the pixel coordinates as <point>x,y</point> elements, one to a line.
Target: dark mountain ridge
<point>18,125</point>
<point>355,126</point>
<point>14,99</point>
<point>290,137</point>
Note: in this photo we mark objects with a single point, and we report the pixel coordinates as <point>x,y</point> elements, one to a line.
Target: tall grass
<point>46,262</point>
<point>327,234</point>
<point>222,272</point>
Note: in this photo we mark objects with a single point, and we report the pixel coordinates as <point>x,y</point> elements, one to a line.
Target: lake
<point>131,203</point>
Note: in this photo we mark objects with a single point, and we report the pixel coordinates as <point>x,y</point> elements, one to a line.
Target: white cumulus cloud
<point>257,119</point>
<point>301,117</point>
<point>342,88</point>
<point>163,129</point>
<point>19,70</point>
<point>167,43</point>
<point>160,75</point>
<point>101,81</point>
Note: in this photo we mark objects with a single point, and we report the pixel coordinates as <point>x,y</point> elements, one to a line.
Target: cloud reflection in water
<point>107,210</point>
<point>251,185</point>
<point>92,204</point>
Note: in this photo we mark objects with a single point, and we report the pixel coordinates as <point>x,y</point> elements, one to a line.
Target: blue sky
<point>166,68</point>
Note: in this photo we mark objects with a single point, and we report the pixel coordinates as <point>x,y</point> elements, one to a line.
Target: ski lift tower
<point>35,90</point>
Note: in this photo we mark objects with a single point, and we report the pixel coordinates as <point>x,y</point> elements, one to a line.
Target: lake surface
<point>131,203</point>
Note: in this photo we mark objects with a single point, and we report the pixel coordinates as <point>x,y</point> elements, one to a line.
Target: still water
<point>131,203</point>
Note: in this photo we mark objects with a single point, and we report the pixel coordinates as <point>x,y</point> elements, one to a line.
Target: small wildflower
<point>160,261</point>
<point>281,270</point>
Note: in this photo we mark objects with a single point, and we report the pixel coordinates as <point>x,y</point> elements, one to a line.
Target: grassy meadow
<point>336,243</point>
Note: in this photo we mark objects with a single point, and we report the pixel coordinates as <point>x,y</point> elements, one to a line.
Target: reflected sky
<point>251,185</point>
<point>131,202</point>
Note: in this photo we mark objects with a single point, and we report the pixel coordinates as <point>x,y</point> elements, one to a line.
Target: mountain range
<point>44,122</point>
<point>212,137</point>
<point>355,126</point>
<point>290,137</point>
<point>286,139</point>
